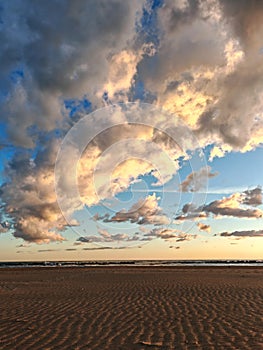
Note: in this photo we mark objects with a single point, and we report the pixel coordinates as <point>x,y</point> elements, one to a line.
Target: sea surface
<point>141,263</point>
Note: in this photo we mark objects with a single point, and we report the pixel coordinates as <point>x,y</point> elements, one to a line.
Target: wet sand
<point>131,308</point>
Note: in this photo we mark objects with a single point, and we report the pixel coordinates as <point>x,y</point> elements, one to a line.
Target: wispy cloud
<point>106,248</point>
<point>48,250</point>
<point>196,181</point>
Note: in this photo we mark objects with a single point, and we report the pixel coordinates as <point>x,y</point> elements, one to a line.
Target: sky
<point>131,130</point>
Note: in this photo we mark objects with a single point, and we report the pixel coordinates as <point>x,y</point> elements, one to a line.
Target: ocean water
<point>141,263</point>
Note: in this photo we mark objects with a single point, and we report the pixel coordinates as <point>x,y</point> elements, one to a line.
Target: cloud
<point>24,252</point>
<point>30,200</point>
<point>106,248</point>
<point>199,60</point>
<point>169,234</point>
<point>214,83</point>
<point>250,233</point>
<point>122,69</point>
<point>105,236</point>
<point>89,39</point>
<point>84,240</point>
<point>163,233</point>
<point>240,205</point>
<point>204,227</point>
<point>231,206</point>
<point>4,227</point>
<point>144,212</point>
<point>196,181</point>
<point>119,155</point>
<point>253,197</point>
<point>47,250</point>
<point>185,237</point>
<point>92,44</point>
<point>240,90</point>
<point>219,152</point>
<point>190,212</point>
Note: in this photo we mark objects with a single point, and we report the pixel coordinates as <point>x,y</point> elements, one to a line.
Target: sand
<point>131,308</point>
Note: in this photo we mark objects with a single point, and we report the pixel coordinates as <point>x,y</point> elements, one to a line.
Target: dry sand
<point>131,308</point>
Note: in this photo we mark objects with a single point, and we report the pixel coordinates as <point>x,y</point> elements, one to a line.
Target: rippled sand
<point>131,308</point>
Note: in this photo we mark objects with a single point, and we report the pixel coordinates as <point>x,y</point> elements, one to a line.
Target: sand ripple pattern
<point>131,308</point>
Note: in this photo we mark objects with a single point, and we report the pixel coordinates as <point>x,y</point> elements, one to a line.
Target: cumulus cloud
<point>139,140</point>
<point>119,155</point>
<point>207,70</point>
<point>240,205</point>
<point>63,56</point>
<point>144,212</point>
<point>30,200</point>
<point>233,117</point>
<point>191,212</point>
<point>231,206</point>
<point>46,59</point>
<point>253,197</point>
<point>202,61</point>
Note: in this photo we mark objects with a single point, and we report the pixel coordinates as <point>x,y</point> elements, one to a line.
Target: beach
<point>131,308</point>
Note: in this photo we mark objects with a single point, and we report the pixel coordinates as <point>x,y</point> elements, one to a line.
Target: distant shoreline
<point>136,264</point>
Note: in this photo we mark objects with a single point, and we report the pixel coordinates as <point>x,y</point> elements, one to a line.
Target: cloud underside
<point>213,84</point>
<point>165,234</point>
<point>199,60</point>
<point>249,233</point>
<point>239,205</point>
<point>144,212</point>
